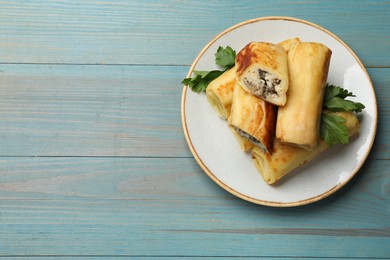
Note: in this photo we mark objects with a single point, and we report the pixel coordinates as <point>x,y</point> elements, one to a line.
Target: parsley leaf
<point>333,130</point>
<point>201,79</point>
<point>334,100</point>
<point>224,57</point>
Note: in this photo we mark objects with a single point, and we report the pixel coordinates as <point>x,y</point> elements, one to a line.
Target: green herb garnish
<point>332,128</point>
<point>225,58</point>
<point>334,100</point>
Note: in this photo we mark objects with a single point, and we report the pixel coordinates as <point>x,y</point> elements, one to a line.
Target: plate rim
<point>237,193</point>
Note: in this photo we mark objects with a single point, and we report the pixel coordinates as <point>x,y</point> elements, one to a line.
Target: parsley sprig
<point>334,100</point>
<point>332,128</point>
<point>224,57</point>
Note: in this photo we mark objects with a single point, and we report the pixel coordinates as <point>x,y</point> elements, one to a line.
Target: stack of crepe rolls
<point>253,119</point>
<point>272,101</point>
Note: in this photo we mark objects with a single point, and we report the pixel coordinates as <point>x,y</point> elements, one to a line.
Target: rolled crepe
<point>253,118</point>
<point>298,121</point>
<point>220,93</point>
<point>262,71</point>
<point>286,44</point>
<point>286,158</point>
<point>244,143</point>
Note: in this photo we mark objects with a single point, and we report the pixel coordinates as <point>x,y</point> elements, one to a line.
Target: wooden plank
<point>169,207</point>
<point>62,110</point>
<point>380,80</point>
<point>91,111</point>
<point>181,257</point>
<point>160,32</point>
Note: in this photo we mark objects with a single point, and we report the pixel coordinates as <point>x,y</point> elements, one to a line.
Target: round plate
<point>217,151</point>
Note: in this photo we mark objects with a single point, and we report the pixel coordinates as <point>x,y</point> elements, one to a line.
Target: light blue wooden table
<point>93,160</point>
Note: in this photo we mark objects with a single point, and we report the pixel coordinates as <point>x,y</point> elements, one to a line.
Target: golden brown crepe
<point>253,118</point>
<point>286,44</point>
<point>243,142</point>
<point>220,93</point>
<point>286,158</point>
<point>298,121</point>
<point>262,71</point>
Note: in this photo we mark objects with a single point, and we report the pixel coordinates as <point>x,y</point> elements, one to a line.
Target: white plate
<point>217,151</point>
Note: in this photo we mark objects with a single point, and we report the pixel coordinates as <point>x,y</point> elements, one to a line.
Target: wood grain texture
<point>157,207</point>
<point>54,110</point>
<point>93,160</point>
<point>67,110</point>
<point>381,82</point>
<point>169,32</point>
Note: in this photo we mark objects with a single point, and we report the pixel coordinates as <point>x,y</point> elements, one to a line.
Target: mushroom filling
<point>261,83</point>
<point>250,138</point>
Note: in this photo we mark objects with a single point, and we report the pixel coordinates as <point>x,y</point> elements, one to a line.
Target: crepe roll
<point>286,44</point>
<point>244,143</point>
<point>220,93</point>
<point>286,158</point>
<point>262,71</point>
<point>253,118</point>
<point>298,121</point>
